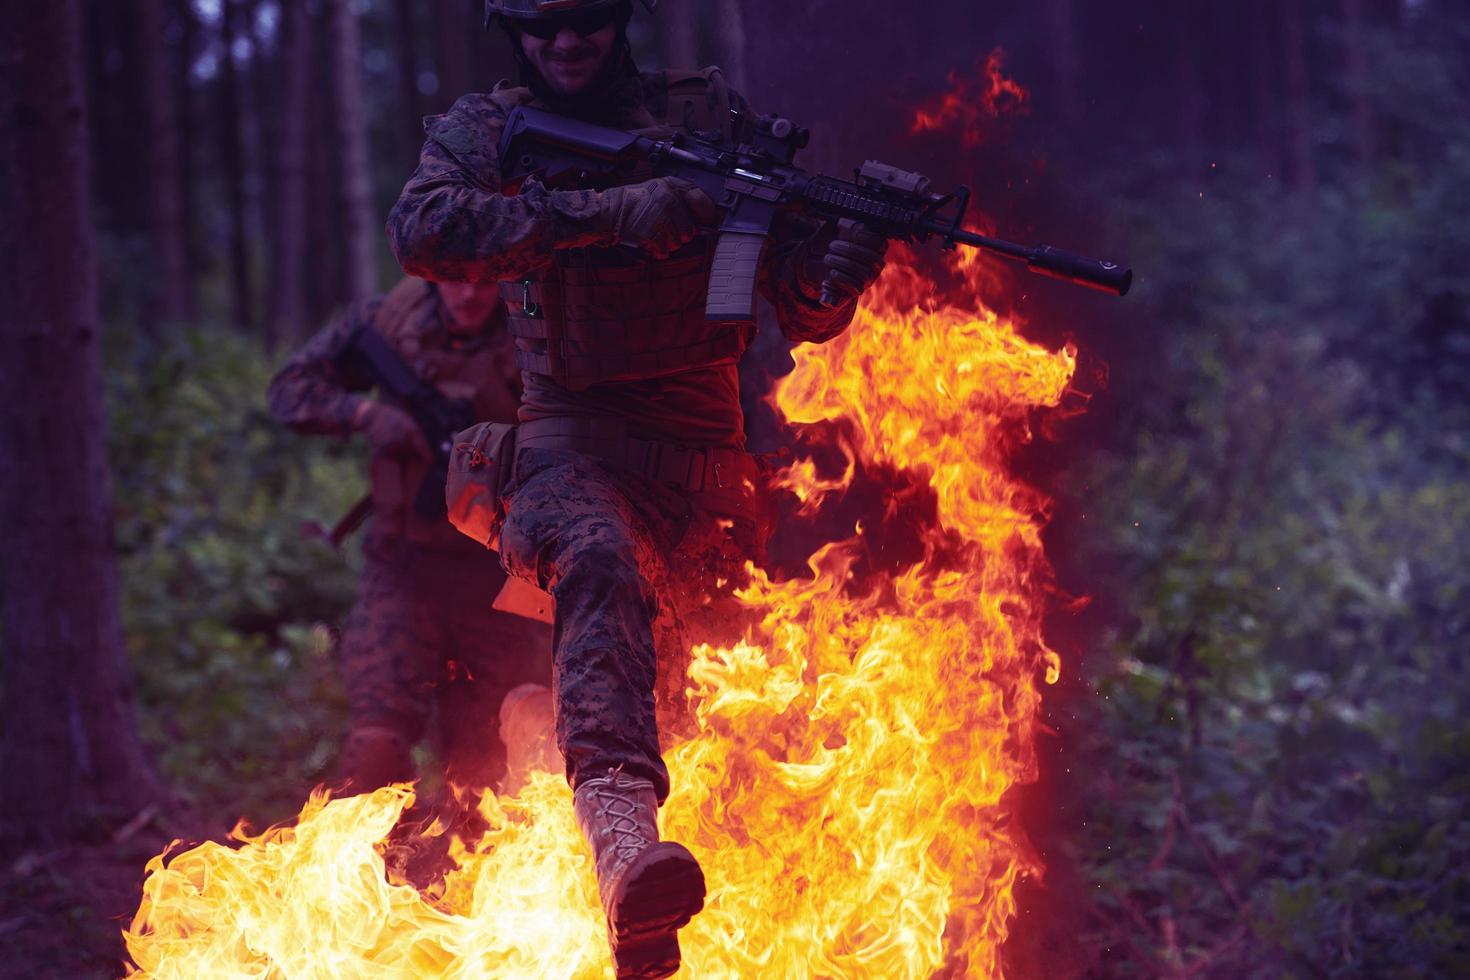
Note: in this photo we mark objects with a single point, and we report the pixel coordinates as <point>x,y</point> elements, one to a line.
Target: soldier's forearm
<point>309,405</point>
<point>446,230</point>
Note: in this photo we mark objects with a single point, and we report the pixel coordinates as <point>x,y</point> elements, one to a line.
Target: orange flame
<point>970,103</point>
<point>845,792</point>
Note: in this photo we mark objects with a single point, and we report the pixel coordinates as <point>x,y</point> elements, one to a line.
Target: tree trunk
<point>1229,100</point>
<point>679,36</point>
<point>1188,97</point>
<point>451,51</point>
<point>184,101</point>
<point>1066,61</point>
<point>69,749</point>
<point>1356,62</point>
<point>232,152</point>
<point>262,125</point>
<point>486,55</point>
<point>1298,98</point>
<point>323,208</point>
<point>165,198</point>
<point>410,110</point>
<point>116,98</point>
<point>288,319</point>
<point>359,230</point>
<point>1265,99</point>
<point>730,41</point>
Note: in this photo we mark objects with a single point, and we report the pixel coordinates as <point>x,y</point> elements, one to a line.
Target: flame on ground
<point>845,793</point>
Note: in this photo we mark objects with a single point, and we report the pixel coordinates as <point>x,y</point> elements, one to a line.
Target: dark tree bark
<point>730,40</point>
<point>451,51</point>
<point>678,36</point>
<point>288,312</point>
<point>116,95</point>
<point>1066,60</point>
<point>1265,88</point>
<point>410,109</point>
<point>359,229</point>
<point>187,126</point>
<point>1188,97</point>
<point>1229,97</point>
<point>487,53</point>
<point>1354,18</point>
<point>323,219</point>
<point>232,160</point>
<point>175,295</point>
<point>1298,97</point>
<point>261,123</point>
<point>69,745</point>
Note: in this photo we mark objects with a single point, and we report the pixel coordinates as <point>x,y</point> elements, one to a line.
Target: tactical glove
<point>853,261</point>
<point>391,430</point>
<point>658,215</point>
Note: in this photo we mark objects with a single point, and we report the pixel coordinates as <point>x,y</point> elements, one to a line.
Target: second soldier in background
<point>422,646</point>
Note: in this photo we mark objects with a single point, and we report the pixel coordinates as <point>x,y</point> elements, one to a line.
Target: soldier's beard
<point>589,98</point>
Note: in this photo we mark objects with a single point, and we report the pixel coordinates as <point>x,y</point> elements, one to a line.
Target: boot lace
<point>623,818</point>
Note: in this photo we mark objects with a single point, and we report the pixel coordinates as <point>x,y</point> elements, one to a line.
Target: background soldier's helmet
<point>535,9</point>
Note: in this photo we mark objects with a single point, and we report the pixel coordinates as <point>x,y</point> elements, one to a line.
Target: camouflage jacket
<point>318,391</point>
<point>453,223</point>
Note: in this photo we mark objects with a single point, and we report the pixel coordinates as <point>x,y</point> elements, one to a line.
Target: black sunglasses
<point>583,24</point>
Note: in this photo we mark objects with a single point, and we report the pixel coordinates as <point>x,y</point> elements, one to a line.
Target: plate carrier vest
<point>598,315</point>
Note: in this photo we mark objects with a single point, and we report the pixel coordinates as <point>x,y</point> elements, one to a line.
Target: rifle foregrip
<point>732,276</point>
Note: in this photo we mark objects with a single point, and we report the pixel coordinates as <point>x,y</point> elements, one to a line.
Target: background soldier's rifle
<point>756,179</point>
<point>438,417</point>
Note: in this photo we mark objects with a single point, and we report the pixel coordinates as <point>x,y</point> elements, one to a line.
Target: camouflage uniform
<point>422,634</point>
<point>636,554</point>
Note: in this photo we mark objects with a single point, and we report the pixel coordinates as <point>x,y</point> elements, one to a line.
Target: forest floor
<point>62,911</point>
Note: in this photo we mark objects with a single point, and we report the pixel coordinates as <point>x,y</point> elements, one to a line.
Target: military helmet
<point>545,9</point>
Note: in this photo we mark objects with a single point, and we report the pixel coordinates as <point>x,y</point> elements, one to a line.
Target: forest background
<point>1257,763</point>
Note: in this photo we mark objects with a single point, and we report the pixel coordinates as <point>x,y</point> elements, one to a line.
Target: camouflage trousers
<point>639,573</point>
<point>422,646</point>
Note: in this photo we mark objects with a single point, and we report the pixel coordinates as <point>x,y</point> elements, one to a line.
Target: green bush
<point>1273,759</point>
<point>229,608</point>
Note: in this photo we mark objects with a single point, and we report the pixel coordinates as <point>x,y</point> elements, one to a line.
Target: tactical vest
<point>598,315</point>
<point>481,370</point>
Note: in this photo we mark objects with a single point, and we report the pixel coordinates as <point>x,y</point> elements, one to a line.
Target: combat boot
<point>649,889</point>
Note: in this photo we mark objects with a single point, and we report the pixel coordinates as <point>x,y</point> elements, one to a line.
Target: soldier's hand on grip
<point>658,215</point>
<point>391,431</point>
<point>853,261</point>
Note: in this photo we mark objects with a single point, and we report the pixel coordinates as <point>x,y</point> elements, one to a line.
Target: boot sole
<point>659,893</point>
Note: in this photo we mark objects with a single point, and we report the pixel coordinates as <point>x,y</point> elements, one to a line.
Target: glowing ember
<point>844,793</point>
<point>971,102</point>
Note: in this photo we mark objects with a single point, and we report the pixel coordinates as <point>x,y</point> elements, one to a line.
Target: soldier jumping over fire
<point>631,495</point>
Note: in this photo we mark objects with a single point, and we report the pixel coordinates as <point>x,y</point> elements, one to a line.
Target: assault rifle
<point>754,180</point>
<point>438,417</point>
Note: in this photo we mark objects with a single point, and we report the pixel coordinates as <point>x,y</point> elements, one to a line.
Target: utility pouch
<point>479,471</point>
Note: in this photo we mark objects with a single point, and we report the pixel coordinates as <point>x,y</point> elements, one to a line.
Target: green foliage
<point>1275,762</point>
<point>225,600</point>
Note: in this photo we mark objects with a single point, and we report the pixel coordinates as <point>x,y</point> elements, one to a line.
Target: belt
<point>726,479</point>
